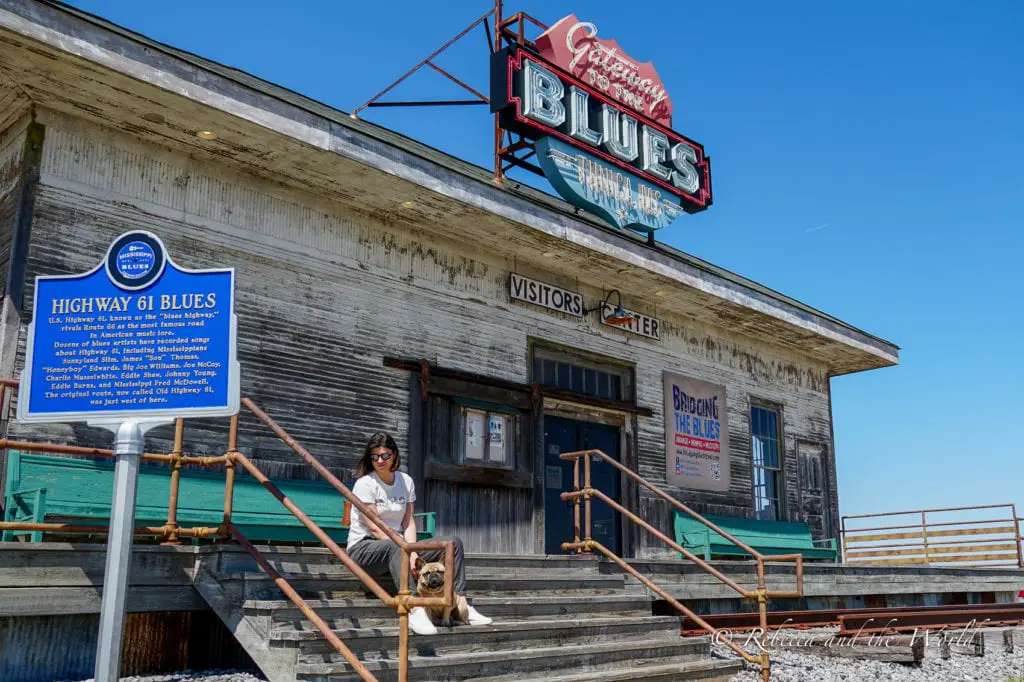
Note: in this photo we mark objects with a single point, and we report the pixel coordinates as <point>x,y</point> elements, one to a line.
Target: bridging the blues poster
<point>696,434</point>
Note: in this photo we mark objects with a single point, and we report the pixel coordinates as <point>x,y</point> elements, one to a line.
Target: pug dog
<point>431,584</point>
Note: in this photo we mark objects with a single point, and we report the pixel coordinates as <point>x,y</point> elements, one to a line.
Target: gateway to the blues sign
<point>600,122</point>
<point>137,337</point>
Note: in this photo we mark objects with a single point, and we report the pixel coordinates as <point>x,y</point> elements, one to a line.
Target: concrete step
<point>535,562</point>
<point>260,586</point>
<point>709,670</point>
<point>669,573</point>
<point>601,657</point>
<point>319,560</point>
<point>382,643</point>
<point>359,612</point>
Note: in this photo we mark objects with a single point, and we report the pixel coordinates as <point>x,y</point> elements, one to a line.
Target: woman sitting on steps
<point>393,493</point>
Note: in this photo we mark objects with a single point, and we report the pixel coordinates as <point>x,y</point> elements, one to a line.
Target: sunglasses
<point>382,458</point>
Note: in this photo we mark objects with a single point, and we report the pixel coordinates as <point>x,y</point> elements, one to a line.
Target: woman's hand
<point>415,563</point>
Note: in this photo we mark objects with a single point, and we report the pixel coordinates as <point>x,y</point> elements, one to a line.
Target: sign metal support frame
<point>129,444</point>
<point>480,98</point>
<point>506,31</point>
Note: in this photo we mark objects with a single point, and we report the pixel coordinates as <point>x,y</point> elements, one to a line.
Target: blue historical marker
<point>134,343</point>
<point>135,338</point>
<point>622,198</point>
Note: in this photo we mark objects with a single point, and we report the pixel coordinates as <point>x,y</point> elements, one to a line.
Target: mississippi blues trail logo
<point>600,122</point>
<point>135,260</point>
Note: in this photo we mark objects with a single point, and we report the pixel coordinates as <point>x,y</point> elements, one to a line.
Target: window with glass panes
<point>580,374</point>
<point>488,434</point>
<point>764,432</point>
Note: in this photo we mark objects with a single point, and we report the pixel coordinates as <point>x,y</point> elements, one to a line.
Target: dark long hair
<point>378,440</point>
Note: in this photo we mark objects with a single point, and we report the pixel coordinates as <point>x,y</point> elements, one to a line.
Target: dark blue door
<point>568,435</point>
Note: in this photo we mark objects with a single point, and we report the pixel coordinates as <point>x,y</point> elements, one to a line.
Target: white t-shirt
<point>390,501</point>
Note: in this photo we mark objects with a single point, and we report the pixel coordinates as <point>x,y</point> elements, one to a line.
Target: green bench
<point>767,537</point>
<point>43,488</point>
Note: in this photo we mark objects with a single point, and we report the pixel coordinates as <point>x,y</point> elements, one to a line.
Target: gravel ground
<point>789,665</point>
<point>201,676</point>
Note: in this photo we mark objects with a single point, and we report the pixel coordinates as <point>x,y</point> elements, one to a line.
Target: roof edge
<point>884,350</point>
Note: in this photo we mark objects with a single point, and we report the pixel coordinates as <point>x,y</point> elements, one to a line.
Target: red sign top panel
<point>599,62</point>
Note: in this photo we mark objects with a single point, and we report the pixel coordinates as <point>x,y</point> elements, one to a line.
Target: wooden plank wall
<point>12,145</point>
<point>168,626</point>
<point>488,517</point>
<point>323,295</point>
<point>47,648</point>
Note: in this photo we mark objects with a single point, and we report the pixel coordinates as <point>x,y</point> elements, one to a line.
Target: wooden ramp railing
<point>981,536</point>
<point>581,496</point>
<point>403,602</point>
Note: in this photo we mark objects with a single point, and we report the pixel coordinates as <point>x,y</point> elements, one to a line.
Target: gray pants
<point>384,557</point>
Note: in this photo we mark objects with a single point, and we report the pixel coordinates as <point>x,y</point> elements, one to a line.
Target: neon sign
<point>574,46</point>
<point>641,174</point>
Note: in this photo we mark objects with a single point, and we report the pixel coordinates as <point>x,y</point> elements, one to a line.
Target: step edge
<point>470,658</point>
<point>349,577</point>
<point>616,674</point>
<point>367,602</point>
<point>514,626</point>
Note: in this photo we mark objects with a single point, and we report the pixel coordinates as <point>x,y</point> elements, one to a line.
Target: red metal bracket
<point>480,98</point>
<point>511,31</point>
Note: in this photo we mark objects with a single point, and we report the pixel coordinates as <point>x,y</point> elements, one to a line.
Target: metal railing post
<point>762,607</point>
<point>924,536</point>
<point>229,475</point>
<point>403,620</point>
<point>586,503</point>
<point>172,501</point>
<point>1016,529</point>
<point>576,502</point>
<point>842,534</point>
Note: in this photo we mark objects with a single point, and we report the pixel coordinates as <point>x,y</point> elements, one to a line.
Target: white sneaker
<point>419,622</point>
<point>477,618</point>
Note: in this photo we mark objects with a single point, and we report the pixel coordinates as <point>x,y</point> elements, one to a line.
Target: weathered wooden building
<point>375,292</point>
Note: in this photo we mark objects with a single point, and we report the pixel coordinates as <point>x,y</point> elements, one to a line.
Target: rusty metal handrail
<point>918,511</point>
<point>917,526</point>
<point>932,546</point>
<point>587,543</point>
<point>171,530</point>
<point>299,602</point>
<point>366,510</point>
<point>402,603</point>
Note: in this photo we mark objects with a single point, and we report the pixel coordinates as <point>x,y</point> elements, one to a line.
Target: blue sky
<point>866,158</point>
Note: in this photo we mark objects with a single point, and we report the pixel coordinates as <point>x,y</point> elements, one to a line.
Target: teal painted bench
<point>767,537</point>
<point>43,488</point>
